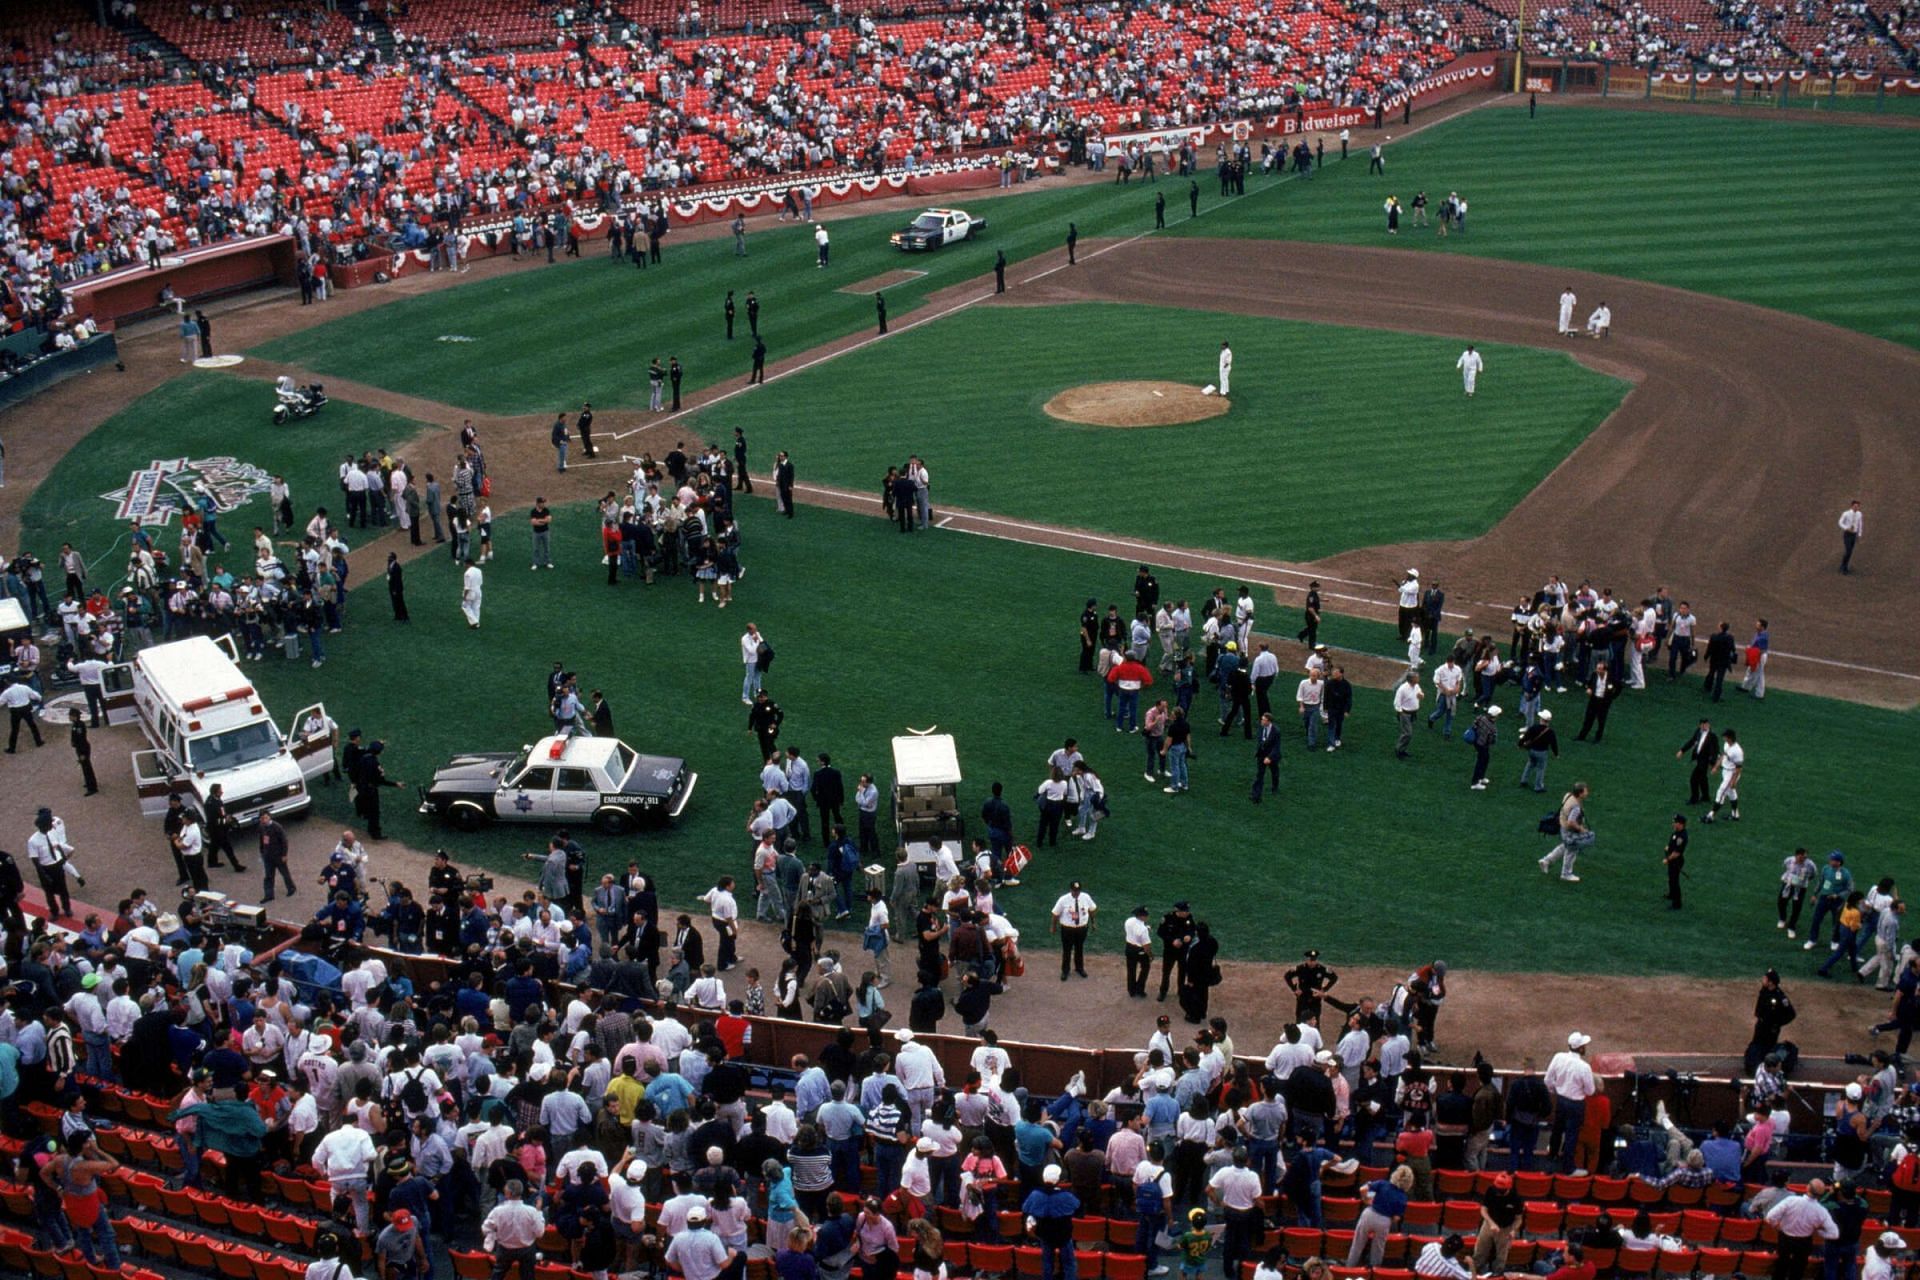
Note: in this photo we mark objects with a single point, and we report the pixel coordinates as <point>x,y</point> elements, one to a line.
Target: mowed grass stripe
<point>1321,416</point>
<point>1739,207</point>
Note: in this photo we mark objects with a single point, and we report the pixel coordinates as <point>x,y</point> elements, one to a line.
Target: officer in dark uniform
<point>367,781</point>
<point>350,757</point>
<point>1676,858</point>
<point>999,271</point>
<point>82,749</point>
<point>880,309</point>
<point>584,425</point>
<point>1309,981</point>
<point>1176,935</point>
<point>741,480</point>
<point>1089,635</point>
<point>1073,238</point>
<point>759,373</point>
<point>674,372</point>
<point>1160,211</point>
<point>729,309</point>
<point>753,314</point>
<point>764,719</point>
<point>219,830</point>
<point>1193,198</point>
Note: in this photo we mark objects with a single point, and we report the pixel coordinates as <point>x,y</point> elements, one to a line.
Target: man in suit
<point>830,793</point>
<point>687,941</point>
<point>1703,749</point>
<point>783,482</point>
<point>1602,689</point>
<point>1266,755</point>
<point>1433,604</point>
<point>1721,651</point>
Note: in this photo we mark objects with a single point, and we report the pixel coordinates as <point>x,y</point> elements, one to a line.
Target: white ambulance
<point>206,724</point>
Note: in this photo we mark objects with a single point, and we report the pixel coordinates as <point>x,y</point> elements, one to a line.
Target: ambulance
<point>205,723</point>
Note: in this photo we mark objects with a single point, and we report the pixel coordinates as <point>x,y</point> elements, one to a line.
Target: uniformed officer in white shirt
<point>1073,920</point>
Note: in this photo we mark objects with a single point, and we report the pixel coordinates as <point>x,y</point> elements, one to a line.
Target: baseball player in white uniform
<point>470,594</point>
<point>1226,367</point>
<point>1566,310</point>
<point>1600,321</point>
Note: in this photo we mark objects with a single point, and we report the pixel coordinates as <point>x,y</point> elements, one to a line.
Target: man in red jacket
<point>1128,676</point>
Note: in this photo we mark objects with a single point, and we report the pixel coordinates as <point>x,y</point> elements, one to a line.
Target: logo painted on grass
<point>153,494</point>
<point>454,337</point>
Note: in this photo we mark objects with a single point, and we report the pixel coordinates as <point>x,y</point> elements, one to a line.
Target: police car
<point>601,781</point>
<point>936,227</point>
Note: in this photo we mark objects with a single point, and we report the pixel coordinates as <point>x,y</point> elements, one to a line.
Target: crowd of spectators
<point>186,122</point>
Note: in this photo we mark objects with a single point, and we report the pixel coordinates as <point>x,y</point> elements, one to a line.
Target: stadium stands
<point>352,124</point>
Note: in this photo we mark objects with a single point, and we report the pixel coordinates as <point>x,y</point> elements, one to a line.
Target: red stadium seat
<point>997,1259</point>
<point>1461,1215</point>
<point>471,1266</point>
<point>1302,1243</point>
<point>1026,1261</point>
<point>1719,1262</point>
<point>1699,1227</point>
<point>1636,1262</point>
<point>1120,1266</point>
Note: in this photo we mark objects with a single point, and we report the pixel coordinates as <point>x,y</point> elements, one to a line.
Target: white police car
<point>561,780</point>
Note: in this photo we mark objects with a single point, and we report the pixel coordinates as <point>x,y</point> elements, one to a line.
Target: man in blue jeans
<point>1051,1209</point>
<point>1571,1082</point>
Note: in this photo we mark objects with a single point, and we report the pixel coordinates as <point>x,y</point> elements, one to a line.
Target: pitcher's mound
<point>1135,404</point>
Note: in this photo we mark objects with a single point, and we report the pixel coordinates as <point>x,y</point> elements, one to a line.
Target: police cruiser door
<point>529,796</point>
<point>576,794</point>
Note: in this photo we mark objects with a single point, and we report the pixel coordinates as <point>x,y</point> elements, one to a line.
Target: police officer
<point>1675,858</point>
<point>1160,211</point>
<point>1176,935</point>
<point>880,309</point>
<point>1073,238</point>
<point>674,372</point>
<point>753,313</point>
<point>1193,198</point>
<point>999,271</point>
<point>1309,981</point>
<point>369,777</point>
<point>759,373</point>
<point>729,310</point>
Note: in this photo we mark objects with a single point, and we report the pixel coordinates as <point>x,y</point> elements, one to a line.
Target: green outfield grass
<point>198,416</point>
<point>1363,856</point>
<point>1787,215</point>
<point>543,338</point>
<point>1337,437</point>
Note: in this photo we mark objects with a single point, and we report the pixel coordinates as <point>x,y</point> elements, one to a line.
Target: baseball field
<point>1690,449</point>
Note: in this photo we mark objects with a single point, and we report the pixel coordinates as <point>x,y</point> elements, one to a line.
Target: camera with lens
<point>477,882</point>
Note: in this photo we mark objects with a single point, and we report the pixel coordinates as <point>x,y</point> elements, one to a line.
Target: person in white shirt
<point>750,643</point>
<point>920,1074</point>
<point>1567,300</point>
<point>1448,680</point>
<point>1469,364</point>
<point>1226,369</point>
<point>990,1060</point>
<point>471,584</point>
<point>1139,942</point>
<point>1406,704</point>
<point>1733,763</point>
<point>1073,920</point>
<point>346,1156</point>
<point>1879,1264</point>
<point>1570,1079</point>
<point>122,1012</point>
<point>1802,1221</point>
<point>1440,1259</point>
<point>51,855</point>
<point>707,992</point>
<point>1236,1189</point>
<point>1853,523</point>
<point>1600,321</point>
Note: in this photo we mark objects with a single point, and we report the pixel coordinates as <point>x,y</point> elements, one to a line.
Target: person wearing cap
<point>1409,594</point>
<point>1309,981</point>
<point>1570,1079</point>
<point>1485,732</point>
<point>1073,916</point>
<point>400,1250</point>
<point>1500,1212</point>
<point>1576,835</point>
<point>1675,859</point>
<point>1879,1260</point>
<point>1540,743</point>
<point>1050,1210</point>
